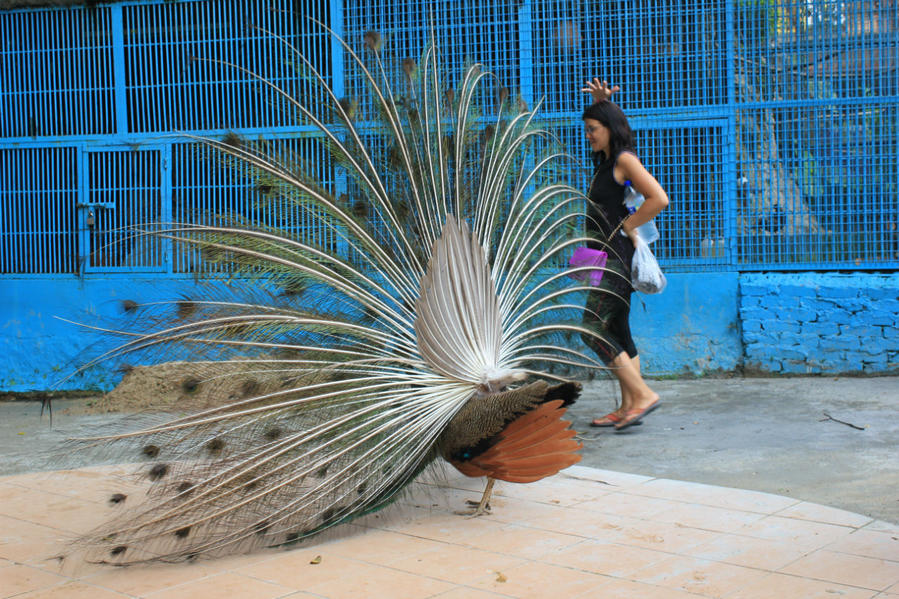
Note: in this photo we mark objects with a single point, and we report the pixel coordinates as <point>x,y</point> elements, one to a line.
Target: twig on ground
<point>829,417</point>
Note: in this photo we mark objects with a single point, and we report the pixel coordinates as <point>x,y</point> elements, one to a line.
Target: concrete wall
<point>38,348</point>
<point>693,326</point>
<point>703,323</point>
<point>820,323</point>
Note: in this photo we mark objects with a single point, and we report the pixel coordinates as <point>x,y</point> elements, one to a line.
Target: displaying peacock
<point>432,330</point>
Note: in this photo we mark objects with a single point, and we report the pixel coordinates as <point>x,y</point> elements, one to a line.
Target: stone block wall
<point>803,323</point>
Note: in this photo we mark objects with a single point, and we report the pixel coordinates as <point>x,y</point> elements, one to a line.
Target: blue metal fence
<point>38,225</point>
<point>772,123</point>
<point>56,74</point>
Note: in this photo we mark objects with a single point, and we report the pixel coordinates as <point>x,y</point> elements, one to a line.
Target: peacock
<point>440,328</point>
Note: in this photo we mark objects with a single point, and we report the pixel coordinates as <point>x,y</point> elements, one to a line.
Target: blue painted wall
<point>693,326</point>
<point>38,348</point>
<point>803,323</point>
<point>778,323</point>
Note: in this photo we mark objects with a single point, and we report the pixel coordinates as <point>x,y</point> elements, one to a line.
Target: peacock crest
<point>430,330</point>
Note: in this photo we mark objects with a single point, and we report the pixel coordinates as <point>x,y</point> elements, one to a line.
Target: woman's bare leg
<point>635,393</point>
<point>627,396</point>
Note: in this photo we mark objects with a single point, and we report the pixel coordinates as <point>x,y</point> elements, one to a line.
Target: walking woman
<point>608,307</point>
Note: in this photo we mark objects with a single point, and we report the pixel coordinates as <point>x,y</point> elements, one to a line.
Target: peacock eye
<point>215,446</point>
<point>158,471</point>
<point>190,385</point>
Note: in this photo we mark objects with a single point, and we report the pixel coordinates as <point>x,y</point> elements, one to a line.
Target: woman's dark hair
<point>620,135</point>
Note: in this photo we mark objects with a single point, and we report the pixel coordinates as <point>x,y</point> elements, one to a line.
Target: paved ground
<point>758,434</point>
<point>632,529</point>
<point>585,533</point>
<point>763,434</point>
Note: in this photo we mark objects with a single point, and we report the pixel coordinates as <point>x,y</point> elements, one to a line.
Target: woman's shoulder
<point>628,165</point>
<point>627,157</point>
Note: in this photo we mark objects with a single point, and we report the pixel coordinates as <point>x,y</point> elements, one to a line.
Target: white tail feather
<point>458,326</point>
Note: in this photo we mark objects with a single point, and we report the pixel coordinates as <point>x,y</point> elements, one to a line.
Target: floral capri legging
<point>607,314</point>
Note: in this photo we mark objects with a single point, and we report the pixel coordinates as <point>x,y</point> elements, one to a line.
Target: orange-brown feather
<point>470,469</point>
<point>536,445</point>
<point>523,441</point>
<point>526,421</point>
<point>554,445</point>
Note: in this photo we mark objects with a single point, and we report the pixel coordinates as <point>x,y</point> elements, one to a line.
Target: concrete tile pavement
<point>769,435</point>
<point>583,533</point>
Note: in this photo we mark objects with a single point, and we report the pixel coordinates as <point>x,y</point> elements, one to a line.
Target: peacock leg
<point>483,507</point>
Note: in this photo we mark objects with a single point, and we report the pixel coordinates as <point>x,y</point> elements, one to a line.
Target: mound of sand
<point>174,386</point>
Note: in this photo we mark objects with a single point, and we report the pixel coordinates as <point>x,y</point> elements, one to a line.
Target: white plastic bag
<point>646,276</point>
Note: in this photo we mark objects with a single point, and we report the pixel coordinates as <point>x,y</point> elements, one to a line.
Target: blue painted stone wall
<point>38,348</point>
<point>692,327</point>
<point>820,323</point>
<point>704,323</point>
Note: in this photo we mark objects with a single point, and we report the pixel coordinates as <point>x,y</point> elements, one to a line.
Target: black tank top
<point>606,210</point>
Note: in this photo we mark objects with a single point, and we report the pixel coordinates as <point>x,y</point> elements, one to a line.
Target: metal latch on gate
<point>91,219</point>
<point>102,205</point>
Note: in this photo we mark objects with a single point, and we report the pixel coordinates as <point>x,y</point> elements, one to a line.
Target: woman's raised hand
<point>600,90</point>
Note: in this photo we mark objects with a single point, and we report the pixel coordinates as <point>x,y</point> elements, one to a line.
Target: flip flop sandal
<point>611,419</point>
<point>634,417</point>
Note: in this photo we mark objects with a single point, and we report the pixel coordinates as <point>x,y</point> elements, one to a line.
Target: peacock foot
<point>476,509</point>
<point>482,507</point>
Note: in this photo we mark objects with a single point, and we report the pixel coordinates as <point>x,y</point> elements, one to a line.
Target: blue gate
<point>772,124</point>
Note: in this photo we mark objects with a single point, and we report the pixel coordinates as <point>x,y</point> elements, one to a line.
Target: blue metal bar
<point>338,84</point>
<point>6,227</point>
<point>81,213</point>
<point>16,212</point>
<point>525,52</point>
<point>118,61</point>
<point>730,177</point>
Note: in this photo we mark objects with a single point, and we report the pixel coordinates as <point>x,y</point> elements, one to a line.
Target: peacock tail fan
<point>444,303</point>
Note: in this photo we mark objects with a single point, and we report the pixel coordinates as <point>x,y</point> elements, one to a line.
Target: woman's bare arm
<point>655,199</point>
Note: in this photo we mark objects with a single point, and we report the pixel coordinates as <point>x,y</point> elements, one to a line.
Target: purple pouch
<point>584,256</point>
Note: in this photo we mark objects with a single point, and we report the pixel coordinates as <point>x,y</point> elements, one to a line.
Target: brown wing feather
<point>470,469</point>
<point>541,432</point>
<point>534,474</point>
<point>554,445</point>
<point>536,445</point>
